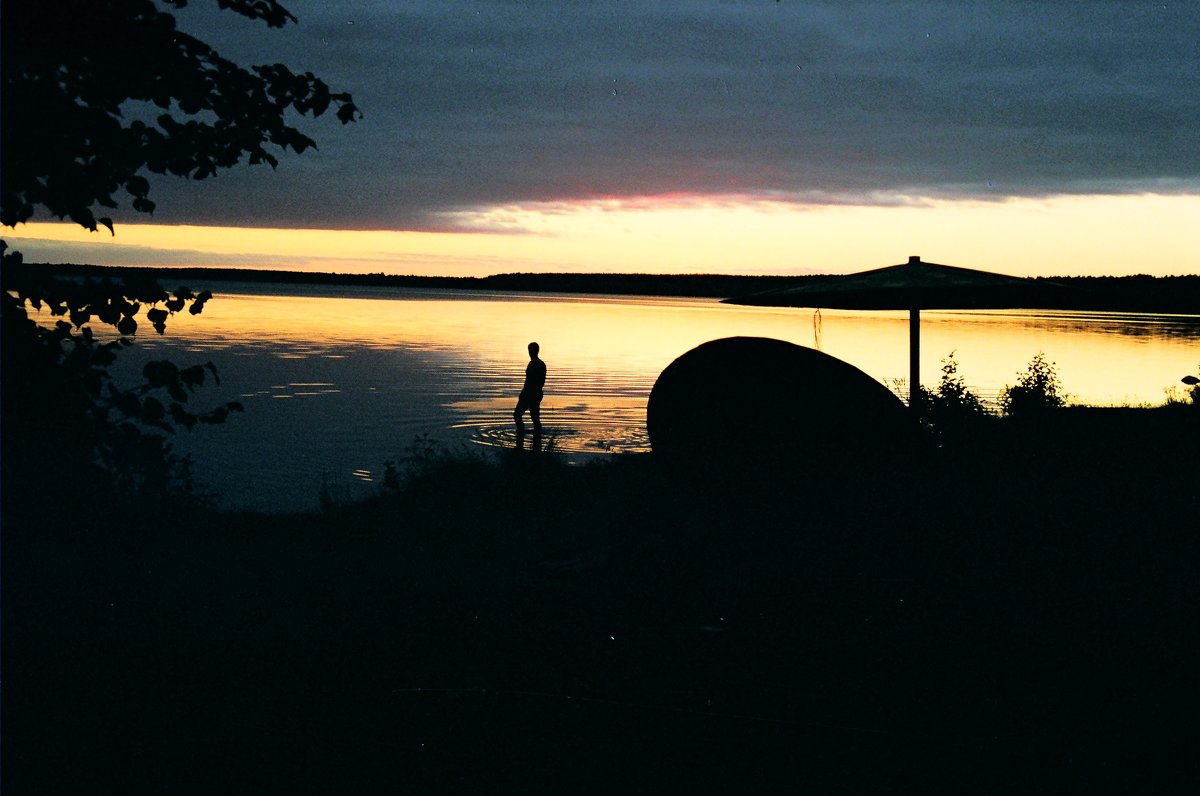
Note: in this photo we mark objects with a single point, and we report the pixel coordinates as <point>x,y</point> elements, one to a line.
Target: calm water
<point>337,382</point>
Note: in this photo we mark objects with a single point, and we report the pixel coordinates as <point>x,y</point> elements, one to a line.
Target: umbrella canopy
<point>911,286</point>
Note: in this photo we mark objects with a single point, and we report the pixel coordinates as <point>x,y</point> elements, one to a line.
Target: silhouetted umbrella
<point>911,286</point>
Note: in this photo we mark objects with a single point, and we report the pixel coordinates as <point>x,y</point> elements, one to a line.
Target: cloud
<point>489,103</point>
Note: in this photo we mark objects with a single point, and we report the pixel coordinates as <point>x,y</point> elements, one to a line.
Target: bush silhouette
<point>1037,391</point>
<point>950,406</point>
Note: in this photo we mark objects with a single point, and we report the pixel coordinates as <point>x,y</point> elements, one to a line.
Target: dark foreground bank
<point>1011,612</point>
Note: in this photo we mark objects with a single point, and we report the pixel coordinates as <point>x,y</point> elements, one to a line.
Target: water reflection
<point>334,386</point>
<point>1125,324</point>
<point>605,424</point>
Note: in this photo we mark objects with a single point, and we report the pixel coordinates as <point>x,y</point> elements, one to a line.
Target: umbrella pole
<point>914,356</point>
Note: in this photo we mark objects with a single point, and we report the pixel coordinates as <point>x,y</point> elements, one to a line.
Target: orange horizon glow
<point>1061,236</point>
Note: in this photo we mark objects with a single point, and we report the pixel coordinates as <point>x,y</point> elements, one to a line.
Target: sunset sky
<point>734,137</point>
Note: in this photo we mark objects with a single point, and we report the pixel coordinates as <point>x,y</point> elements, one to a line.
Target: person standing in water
<point>531,393</point>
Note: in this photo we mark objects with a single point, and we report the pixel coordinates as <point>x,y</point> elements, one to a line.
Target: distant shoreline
<point>1140,293</point>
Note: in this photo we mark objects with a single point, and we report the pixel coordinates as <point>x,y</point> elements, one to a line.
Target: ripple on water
<point>580,425</point>
<point>561,439</point>
<point>571,436</point>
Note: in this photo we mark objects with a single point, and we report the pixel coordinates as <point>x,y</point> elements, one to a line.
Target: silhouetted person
<point>531,394</point>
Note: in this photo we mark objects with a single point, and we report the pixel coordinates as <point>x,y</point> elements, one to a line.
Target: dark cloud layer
<point>471,103</point>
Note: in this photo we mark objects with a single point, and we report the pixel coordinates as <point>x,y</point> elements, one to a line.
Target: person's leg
<point>535,414</point>
<point>517,413</point>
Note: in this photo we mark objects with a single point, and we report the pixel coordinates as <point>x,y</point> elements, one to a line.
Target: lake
<point>336,382</point>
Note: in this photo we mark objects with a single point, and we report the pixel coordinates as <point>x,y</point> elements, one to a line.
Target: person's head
<point>533,350</point>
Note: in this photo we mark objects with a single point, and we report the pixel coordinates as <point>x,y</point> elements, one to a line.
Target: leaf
<point>160,373</point>
<point>192,377</point>
<point>1190,380</point>
<point>153,410</point>
<point>108,314</point>
<point>198,304</point>
<point>216,416</point>
<point>157,317</point>
<point>138,186</point>
<point>106,221</point>
<point>348,113</point>
<point>127,326</point>
<point>182,416</point>
<point>302,142</point>
<point>126,403</point>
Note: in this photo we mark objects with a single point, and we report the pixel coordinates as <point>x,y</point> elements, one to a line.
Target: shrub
<point>1192,391</point>
<point>951,405</point>
<point>1037,391</point>
<point>952,396</point>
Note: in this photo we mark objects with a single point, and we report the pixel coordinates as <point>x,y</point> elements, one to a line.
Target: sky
<point>1023,136</point>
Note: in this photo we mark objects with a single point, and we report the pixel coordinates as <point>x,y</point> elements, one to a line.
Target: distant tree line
<point>699,285</point>
<point>1140,293</point>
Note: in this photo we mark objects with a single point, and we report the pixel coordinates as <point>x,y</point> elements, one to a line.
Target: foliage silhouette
<point>62,408</point>
<point>76,75</point>
<point>951,407</point>
<point>1037,391</point>
<point>1193,389</point>
<point>68,88</point>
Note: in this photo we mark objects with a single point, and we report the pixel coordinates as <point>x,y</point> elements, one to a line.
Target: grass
<point>1013,613</point>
